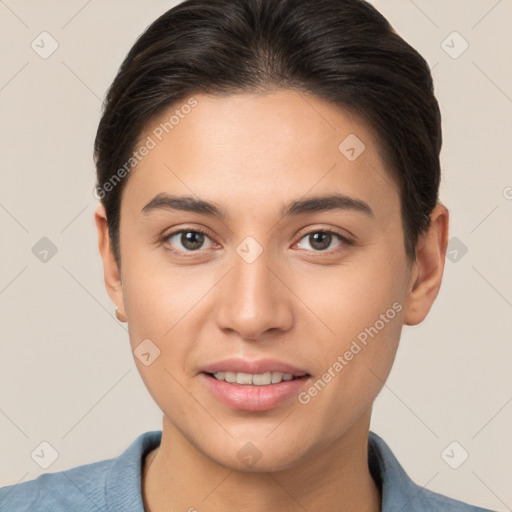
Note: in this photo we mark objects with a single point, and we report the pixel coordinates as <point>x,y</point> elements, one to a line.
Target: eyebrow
<point>330,202</point>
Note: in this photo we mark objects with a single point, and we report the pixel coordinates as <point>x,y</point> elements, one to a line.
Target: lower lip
<point>254,398</point>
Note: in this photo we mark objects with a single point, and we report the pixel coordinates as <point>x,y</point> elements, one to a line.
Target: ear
<point>428,267</point>
<point>111,271</point>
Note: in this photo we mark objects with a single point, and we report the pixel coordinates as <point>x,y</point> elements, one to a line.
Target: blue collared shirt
<point>114,485</point>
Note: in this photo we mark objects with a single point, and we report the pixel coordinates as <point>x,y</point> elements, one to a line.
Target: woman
<point>268,174</point>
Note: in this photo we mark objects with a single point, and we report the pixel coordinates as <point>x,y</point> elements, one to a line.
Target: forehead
<point>253,148</point>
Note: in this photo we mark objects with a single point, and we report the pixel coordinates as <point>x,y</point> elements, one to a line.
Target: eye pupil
<point>320,240</point>
<point>192,240</point>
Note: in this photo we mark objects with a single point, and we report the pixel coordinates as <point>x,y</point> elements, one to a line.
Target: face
<point>284,270</point>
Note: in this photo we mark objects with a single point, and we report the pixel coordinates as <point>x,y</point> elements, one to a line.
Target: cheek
<point>350,298</point>
<point>156,293</point>
<point>157,306</point>
<point>364,309</point>
<point>165,305</point>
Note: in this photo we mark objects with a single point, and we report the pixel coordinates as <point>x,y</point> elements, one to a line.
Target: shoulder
<point>77,489</point>
<point>429,500</point>
<point>112,484</point>
<point>399,492</point>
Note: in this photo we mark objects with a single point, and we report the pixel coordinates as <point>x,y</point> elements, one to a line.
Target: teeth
<point>260,379</point>
<point>228,376</point>
<point>243,378</point>
<point>276,377</point>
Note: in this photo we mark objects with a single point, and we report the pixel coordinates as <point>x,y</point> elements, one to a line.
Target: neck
<point>177,476</point>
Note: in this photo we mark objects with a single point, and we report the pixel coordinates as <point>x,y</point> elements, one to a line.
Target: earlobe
<point>427,272</point>
<point>120,315</point>
<point>111,271</point>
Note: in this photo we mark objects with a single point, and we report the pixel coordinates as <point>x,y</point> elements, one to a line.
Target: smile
<point>250,379</point>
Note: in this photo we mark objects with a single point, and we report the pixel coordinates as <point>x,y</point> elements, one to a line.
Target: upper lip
<point>255,367</point>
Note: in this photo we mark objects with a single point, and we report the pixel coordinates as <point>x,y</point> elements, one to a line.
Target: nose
<point>253,301</point>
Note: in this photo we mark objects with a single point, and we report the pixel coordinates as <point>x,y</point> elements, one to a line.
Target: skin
<point>250,154</point>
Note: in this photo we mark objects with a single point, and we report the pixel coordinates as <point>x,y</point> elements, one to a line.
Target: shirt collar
<point>123,485</point>
<point>398,491</point>
<point>124,491</point>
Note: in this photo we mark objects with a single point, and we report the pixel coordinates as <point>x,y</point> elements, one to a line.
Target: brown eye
<point>321,240</point>
<point>190,240</point>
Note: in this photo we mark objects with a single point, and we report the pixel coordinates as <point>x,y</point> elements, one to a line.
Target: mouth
<point>258,379</point>
<point>253,385</point>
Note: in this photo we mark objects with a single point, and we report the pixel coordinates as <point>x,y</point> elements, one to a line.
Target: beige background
<point>66,373</point>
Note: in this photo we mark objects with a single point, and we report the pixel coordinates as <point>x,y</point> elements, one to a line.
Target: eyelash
<point>345,241</point>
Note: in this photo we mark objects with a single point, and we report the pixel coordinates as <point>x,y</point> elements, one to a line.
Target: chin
<point>268,464</point>
<point>259,455</point>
